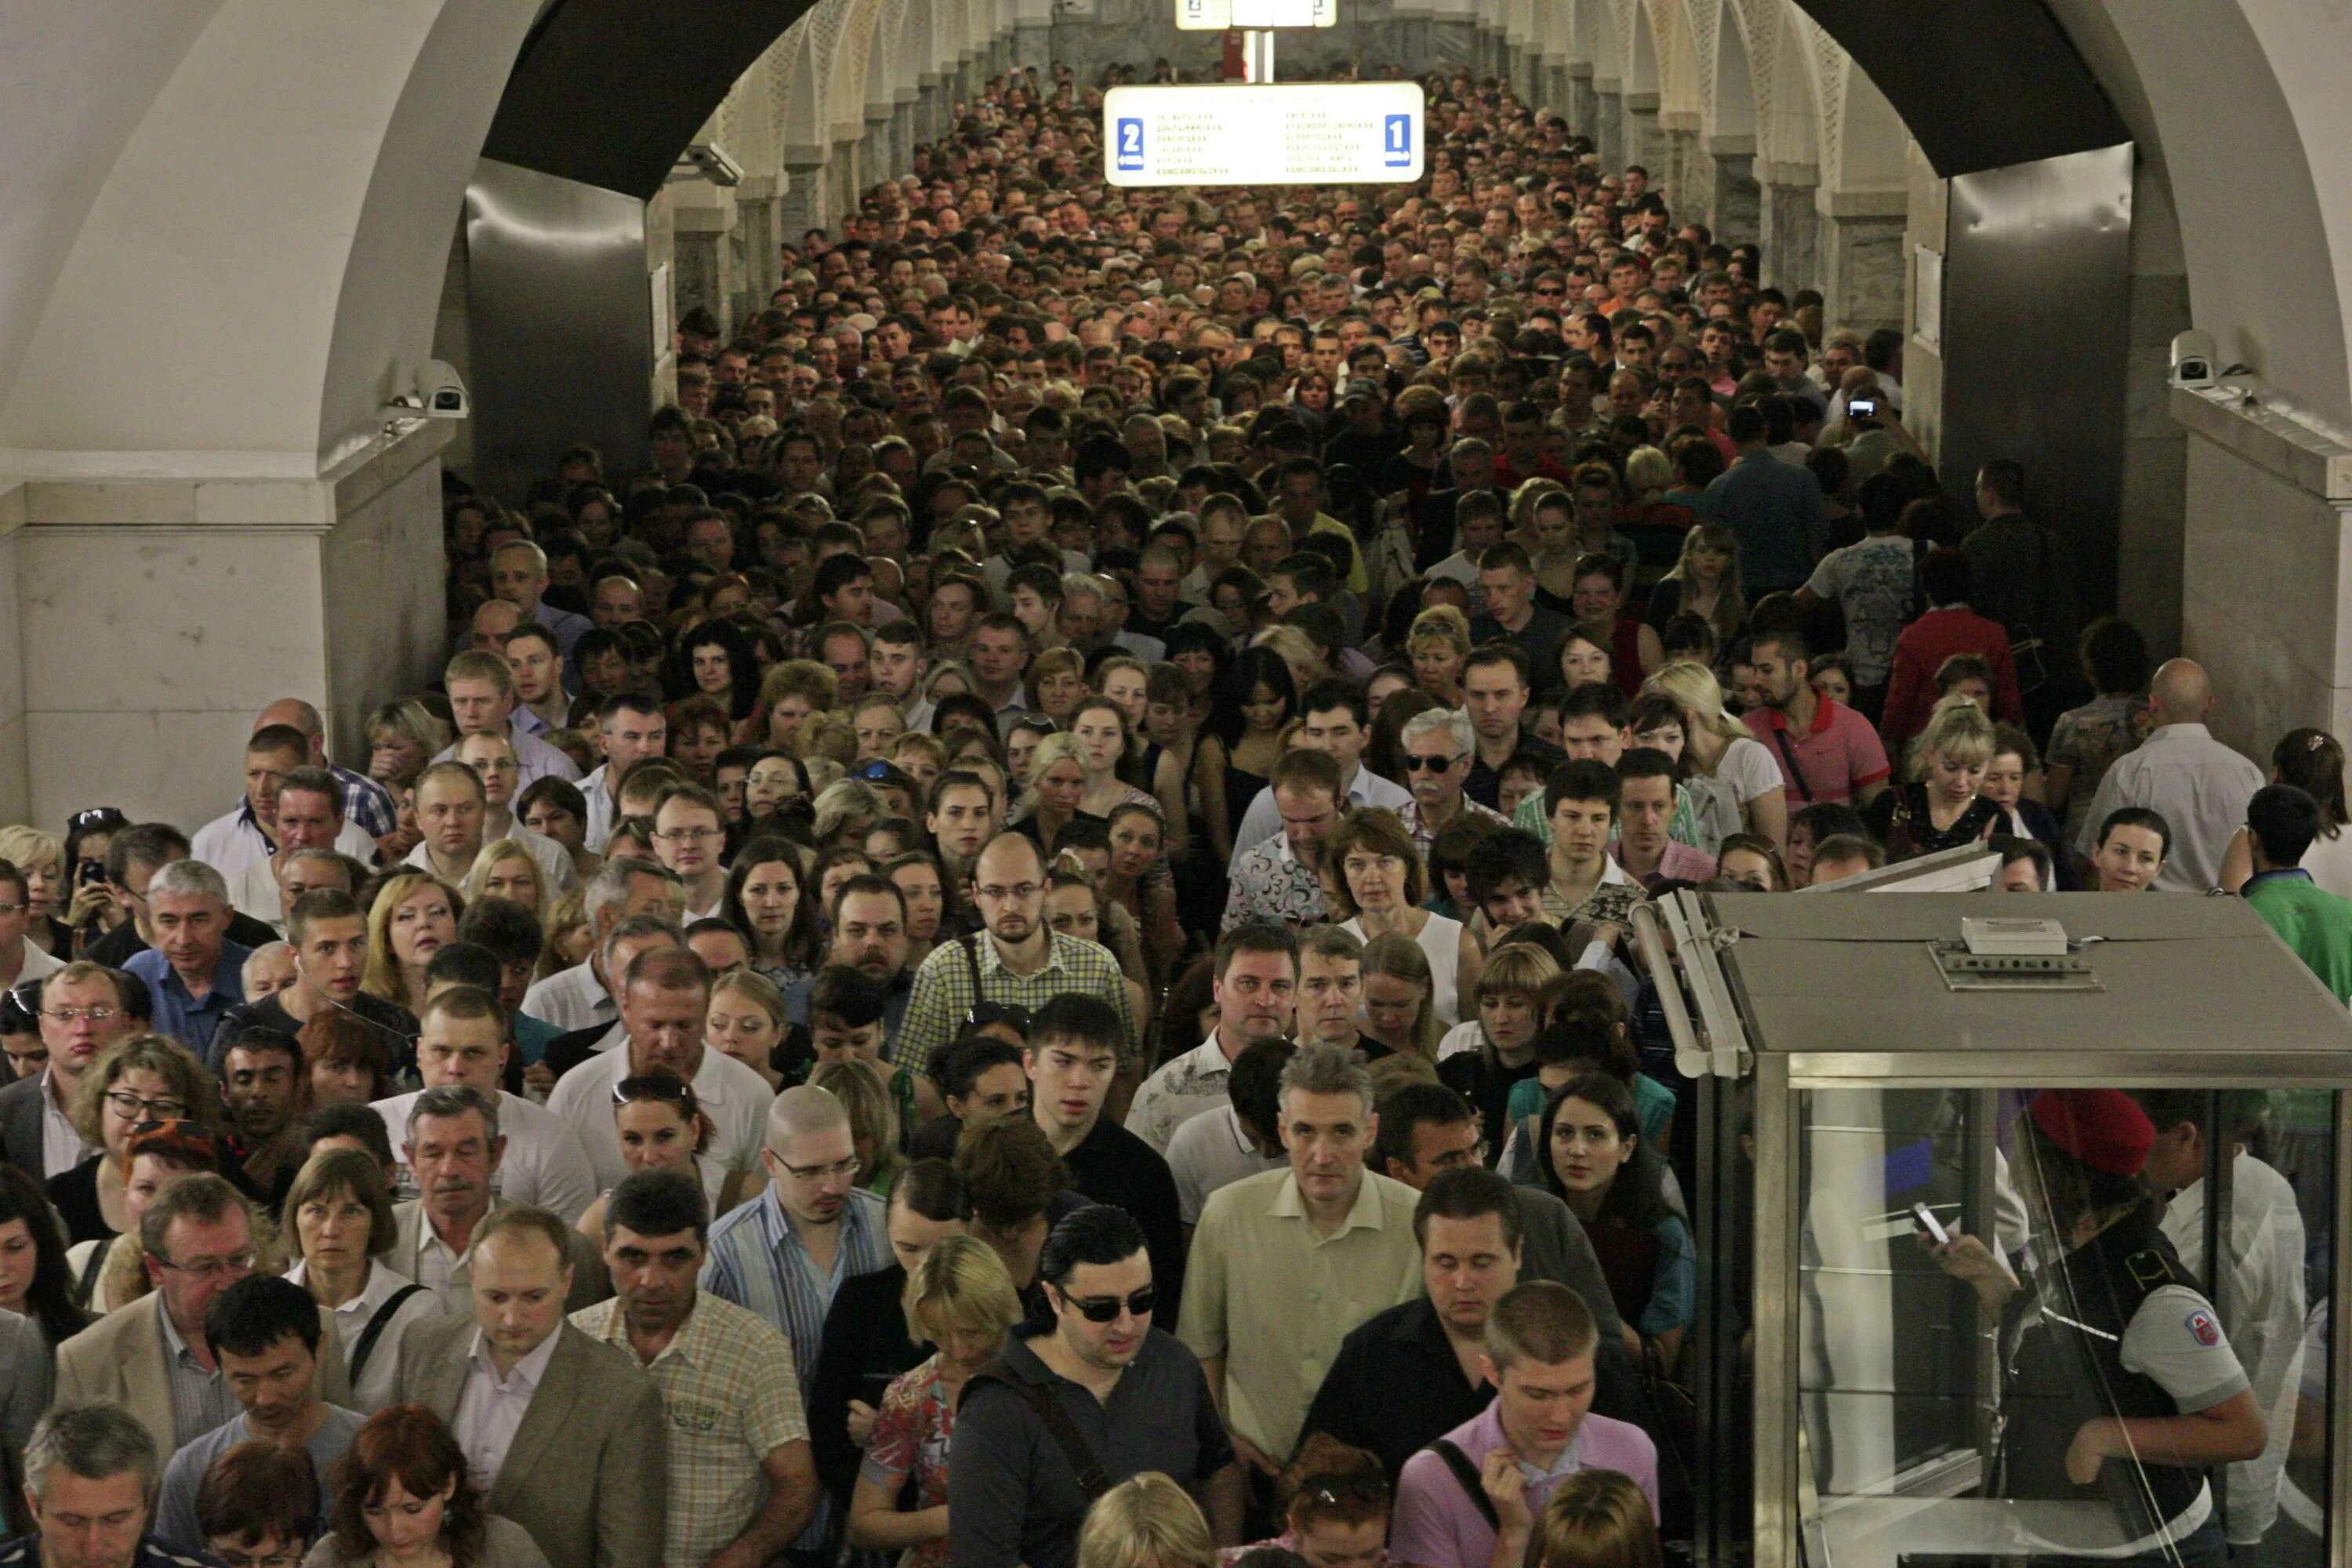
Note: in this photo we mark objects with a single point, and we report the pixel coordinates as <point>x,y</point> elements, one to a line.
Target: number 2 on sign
<point>1130,144</point>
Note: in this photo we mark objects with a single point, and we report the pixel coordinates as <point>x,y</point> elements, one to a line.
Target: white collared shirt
<point>735,1098</point>
<point>61,1147</point>
<point>1209,1152</point>
<point>571,999</point>
<point>491,1408</point>
<point>378,1380</point>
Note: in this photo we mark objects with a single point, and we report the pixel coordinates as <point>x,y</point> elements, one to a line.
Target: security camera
<point>436,393</point>
<point>2192,361</point>
<point>708,160</point>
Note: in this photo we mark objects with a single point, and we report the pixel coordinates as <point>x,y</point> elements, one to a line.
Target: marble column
<point>1643,142</point>
<point>902,136</point>
<point>1609,124</point>
<point>802,206</point>
<point>880,164</point>
<point>755,227</point>
<point>1728,187</point>
<point>1682,161</point>
<point>143,622</point>
<point>1583,104</point>
<point>1789,231</point>
<point>1032,44</point>
<point>1861,270</point>
<point>1555,79</point>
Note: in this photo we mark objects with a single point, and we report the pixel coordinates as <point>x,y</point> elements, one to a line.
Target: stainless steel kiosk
<point>1860,1066</point>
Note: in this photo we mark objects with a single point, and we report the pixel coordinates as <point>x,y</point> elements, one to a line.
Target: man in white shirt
<point>482,701</point>
<point>1255,988</point>
<point>630,728</point>
<point>2197,785</point>
<point>20,958</point>
<point>1478,525</point>
<point>462,1040</point>
<point>245,837</point>
<point>622,888</point>
<point>1336,721</point>
<point>665,995</point>
<point>492,759</point>
<point>82,1014</point>
<point>690,839</point>
<point>1218,1148</point>
<point>309,814</point>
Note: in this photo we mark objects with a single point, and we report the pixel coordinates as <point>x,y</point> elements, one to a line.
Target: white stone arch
<point>1677,62</point>
<point>1788,109</point>
<point>797,86</point>
<point>893,39</point>
<point>846,76</point>
<point>1731,80</point>
<point>1641,69</point>
<point>1592,41</point>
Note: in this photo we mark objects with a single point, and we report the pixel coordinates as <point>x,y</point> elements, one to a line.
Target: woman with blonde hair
<point>402,737</point>
<point>1938,806</point>
<point>824,737</point>
<point>1703,582</point>
<point>1595,1519</point>
<point>1146,1521</point>
<point>864,1089</point>
<point>505,869</point>
<point>960,1300</point>
<point>747,1019</point>
<point>569,934</point>
<point>1732,778</point>
<point>1439,645</point>
<point>414,917</point>
<point>1297,650</point>
<point>1058,785</point>
<point>1381,888</point>
<point>844,812</point>
<point>41,856</point>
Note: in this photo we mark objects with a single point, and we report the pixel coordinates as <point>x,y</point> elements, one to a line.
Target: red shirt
<point>1836,756</point>
<point>1921,651</point>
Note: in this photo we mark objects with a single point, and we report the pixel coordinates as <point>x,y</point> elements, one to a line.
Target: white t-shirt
<point>735,1098</point>
<point>1746,765</point>
<point>1870,582</point>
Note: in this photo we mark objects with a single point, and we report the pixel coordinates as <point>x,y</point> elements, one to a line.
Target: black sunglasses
<point>658,1086</point>
<point>1429,765</point>
<point>1011,1013</point>
<point>97,816</point>
<point>1106,1309</point>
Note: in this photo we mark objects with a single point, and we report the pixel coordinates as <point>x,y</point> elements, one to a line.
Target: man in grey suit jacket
<point>198,1234</point>
<point>73,1043</point>
<point>590,1281</point>
<point>576,1460</point>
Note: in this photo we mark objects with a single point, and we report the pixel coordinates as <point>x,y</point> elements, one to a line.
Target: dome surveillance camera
<point>2193,363</point>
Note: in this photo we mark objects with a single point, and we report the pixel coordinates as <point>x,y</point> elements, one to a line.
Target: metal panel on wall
<point>2037,288</point>
<point>561,322</point>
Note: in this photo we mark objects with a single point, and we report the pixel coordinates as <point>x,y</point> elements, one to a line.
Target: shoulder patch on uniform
<point>2203,1329</point>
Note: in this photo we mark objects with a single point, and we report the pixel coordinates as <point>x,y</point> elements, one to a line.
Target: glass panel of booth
<point>2037,1326</point>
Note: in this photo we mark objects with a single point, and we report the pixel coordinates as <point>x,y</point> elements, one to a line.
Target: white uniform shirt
<point>544,1164</point>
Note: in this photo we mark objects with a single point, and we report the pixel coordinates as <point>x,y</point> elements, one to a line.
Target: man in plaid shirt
<point>1019,960</point>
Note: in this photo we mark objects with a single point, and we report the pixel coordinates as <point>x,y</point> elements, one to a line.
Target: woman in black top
<point>1941,808</point>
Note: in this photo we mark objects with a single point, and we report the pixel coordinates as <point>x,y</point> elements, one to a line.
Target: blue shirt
<point>177,1012</point>
<point>1775,508</point>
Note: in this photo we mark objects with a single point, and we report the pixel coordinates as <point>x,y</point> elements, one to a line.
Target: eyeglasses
<point>847,1167</point>
<point>653,1085</point>
<point>1106,1308</point>
<point>126,1103</point>
<point>688,834</point>
<point>1010,1012</point>
<point>1429,765</point>
<point>14,909</point>
<point>240,1262</point>
<point>1020,892</point>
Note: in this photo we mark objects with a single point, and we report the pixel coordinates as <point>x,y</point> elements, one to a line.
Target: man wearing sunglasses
<point>1438,750</point>
<point>1125,1398</point>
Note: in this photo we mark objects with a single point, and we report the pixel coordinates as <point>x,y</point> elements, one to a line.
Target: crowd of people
<point>1015,952</point>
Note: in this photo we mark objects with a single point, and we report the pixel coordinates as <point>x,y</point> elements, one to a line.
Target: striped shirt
<point>943,990</point>
<point>201,1400</point>
<point>757,1262</point>
<point>731,1402</point>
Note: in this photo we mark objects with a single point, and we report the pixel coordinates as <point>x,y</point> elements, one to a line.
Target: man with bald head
<point>783,1256</point>
<point>366,803</point>
<point>2180,772</point>
<point>1019,960</point>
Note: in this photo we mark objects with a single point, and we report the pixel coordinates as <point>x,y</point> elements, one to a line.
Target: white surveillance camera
<point>2193,363</point>
<point>443,394</point>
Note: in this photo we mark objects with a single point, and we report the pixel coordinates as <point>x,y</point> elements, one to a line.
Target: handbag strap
<point>1092,1480</point>
<point>1789,755</point>
<point>1472,1482</point>
<point>376,1324</point>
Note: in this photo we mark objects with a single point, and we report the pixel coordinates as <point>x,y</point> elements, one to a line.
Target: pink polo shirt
<point>1437,1524</point>
<point>1839,755</point>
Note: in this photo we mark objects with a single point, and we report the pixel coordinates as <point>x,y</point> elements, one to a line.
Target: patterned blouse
<point>910,1439</point>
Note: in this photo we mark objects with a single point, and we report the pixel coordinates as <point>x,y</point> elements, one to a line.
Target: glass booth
<point>1934,1333</point>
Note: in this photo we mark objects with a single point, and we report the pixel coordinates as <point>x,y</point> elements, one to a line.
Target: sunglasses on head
<point>1106,1309</point>
<point>652,1086</point>
<point>97,816</point>
<point>1000,1013</point>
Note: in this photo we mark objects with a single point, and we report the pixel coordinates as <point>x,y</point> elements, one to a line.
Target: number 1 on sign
<point>1396,141</point>
<point>1130,145</point>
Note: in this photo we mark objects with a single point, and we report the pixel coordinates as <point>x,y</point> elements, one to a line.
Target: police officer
<point>2118,1384</point>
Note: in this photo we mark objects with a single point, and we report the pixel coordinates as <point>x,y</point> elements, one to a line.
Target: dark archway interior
<point>1936,62</point>
<point>606,91</point>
